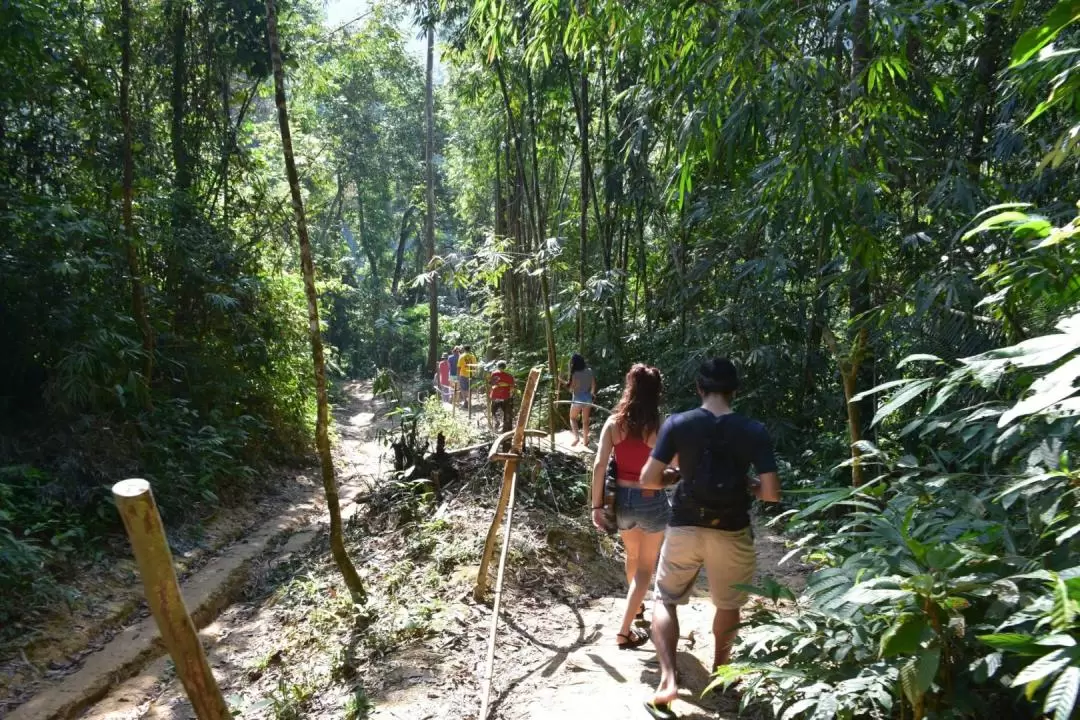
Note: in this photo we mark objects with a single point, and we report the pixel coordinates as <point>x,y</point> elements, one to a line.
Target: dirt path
<point>295,647</point>
<point>586,676</point>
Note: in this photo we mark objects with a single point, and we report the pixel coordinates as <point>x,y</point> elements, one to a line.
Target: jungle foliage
<point>870,206</point>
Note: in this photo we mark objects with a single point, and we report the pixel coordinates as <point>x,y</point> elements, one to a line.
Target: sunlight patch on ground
<point>361,419</point>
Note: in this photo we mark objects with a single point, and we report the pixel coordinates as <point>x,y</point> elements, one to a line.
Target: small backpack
<point>718,485</point>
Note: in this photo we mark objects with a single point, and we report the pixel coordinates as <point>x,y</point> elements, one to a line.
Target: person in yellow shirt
<point>466,369</point>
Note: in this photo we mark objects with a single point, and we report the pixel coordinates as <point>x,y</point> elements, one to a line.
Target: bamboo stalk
<point>136,504</point>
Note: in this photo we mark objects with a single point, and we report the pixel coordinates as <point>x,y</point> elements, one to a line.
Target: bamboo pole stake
<point>489,665</point>
<point>506,505</point>
<point>136,504</point>
<point>509,469</point>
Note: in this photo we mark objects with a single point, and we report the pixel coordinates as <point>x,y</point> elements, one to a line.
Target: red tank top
<point>630,456</point>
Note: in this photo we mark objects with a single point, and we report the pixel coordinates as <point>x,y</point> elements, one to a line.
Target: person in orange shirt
<point>502,395</point>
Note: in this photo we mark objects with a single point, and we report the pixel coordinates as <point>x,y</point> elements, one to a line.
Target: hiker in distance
<point>466,369</point>
<point>452,361</point>
<point>710,515</point>
<point>582,384</point>
<point>502,395</point>
<point>641,513</point>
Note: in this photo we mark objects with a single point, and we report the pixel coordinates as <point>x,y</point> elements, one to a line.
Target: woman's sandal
<point>633,639</point>
<point>660,711</point>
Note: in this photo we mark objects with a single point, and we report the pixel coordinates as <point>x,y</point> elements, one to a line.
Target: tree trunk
<point>181,167</point>
<point>985,68</point>
<point>322,437</point>
<point>583,220</point>
<point>399,256</point>
<point>859,372</point>
<point>138,299</point>
<point>365,241</point>
<point>429,223</point>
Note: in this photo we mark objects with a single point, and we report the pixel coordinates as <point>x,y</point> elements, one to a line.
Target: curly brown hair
<point>638,411</point>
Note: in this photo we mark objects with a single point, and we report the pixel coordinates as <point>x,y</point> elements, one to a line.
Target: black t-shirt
<point>740,441</point>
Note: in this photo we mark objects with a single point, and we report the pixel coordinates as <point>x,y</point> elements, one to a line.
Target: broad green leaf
<point>1002,219</point>
<point>917,357</point>
<point>879,388</point>
<point>1041,668</point>
<point>1059,640</point>
<point>1019,643</point>
<point>1048,390</point>
<point>827,706</point>
<point>1036,38</point>
<point>1061,698</point>
<point>903,636</point>
<point>1063,610</point>
<point>901,398</point>
<point>917,675</point>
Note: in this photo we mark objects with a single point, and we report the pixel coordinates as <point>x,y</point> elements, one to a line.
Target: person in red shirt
<point>443,378</point>
<point>502,395</point>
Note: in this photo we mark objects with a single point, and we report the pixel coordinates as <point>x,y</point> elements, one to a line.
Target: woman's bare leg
<point>585,412</point>
<point>631,540</point>
<point>648,549</point>
<point>574,412</point>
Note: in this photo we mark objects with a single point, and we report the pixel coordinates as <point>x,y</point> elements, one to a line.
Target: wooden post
<point>144,529</point>
<point>509,469</point>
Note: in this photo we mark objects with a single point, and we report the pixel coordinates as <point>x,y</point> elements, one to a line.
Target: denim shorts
<point>635,509</point>
<point>581,399</point>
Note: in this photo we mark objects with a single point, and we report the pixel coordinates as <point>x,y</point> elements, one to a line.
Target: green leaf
<point>916,358</point>
<point>903,636</point>
<point>1063,610</point>
<point>1041,668</point>
<point>1009,217</point>
<point>917,675</point>
<point>880,388</point>
<point>1036,38</point>
<point>1019,643</point>
<point>826,707</point>
<point>901,398</point>
<point>1048,390</point>
<point>1062,696</point>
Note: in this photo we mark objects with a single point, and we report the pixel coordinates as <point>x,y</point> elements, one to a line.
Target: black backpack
<point>718,485</point>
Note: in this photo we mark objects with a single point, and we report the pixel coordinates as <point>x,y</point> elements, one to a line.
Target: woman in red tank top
<point>641,513</point>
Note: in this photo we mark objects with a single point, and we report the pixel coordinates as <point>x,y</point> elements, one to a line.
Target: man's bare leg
<point>725,626</point>
<point>665,637</point>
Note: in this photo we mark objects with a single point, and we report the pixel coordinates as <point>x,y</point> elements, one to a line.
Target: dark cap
<point>718,375</point>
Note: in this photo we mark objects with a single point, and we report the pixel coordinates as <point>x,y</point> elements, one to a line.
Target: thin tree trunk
<point>429,223</point>
<point>583,221</point>
<point>399,256</point>
<point>138,298</point>
<point>985,68</point>
<point>369,250</point>
<point>181,167</point>
<point>859,372</point>
<point>322,421</point>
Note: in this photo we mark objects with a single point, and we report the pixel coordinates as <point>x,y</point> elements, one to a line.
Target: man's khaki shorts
<point>727,556</point>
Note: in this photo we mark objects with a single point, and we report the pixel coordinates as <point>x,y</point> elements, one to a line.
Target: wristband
<point>598,507</point>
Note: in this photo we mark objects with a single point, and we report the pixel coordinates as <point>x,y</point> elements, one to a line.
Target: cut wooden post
<point>147,535</point>
<point>506,505</point>
<point>508,473</point>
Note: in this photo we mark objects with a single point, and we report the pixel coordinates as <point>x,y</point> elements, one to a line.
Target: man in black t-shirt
<point>710,515</point>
